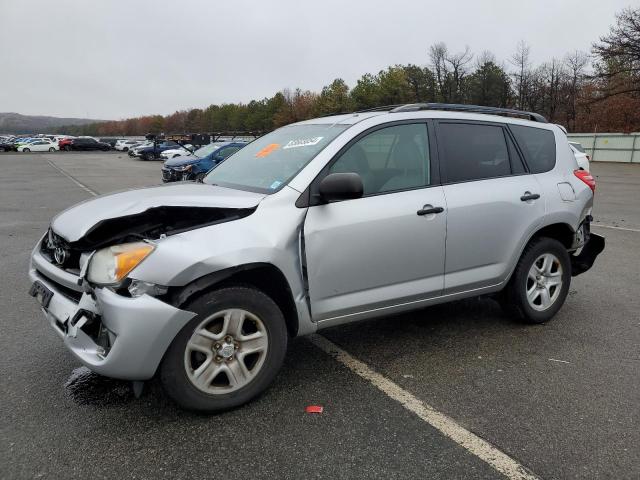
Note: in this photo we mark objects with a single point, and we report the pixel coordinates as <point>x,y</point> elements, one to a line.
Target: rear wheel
<point>125,149</point>
<point>228,354</point>
<point>51,149</point>
<point>67,148</point>
<point>540,283</point>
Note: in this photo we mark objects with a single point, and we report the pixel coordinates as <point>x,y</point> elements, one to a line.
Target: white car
<point>581,156</point>
<point>125,145</point>
<point>39,145</point>
<point>177,152</point>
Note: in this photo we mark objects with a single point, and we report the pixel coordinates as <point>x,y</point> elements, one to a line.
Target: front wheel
<point>228,354</point>
<point>26,150</point>
<point>540,283</point>
<point>67,148</point>
<point>51,149</point>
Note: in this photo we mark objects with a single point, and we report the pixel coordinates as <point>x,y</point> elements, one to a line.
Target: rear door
<point>377,251</point>
<point>494,203</point>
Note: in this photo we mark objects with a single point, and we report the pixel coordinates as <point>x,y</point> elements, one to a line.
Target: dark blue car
<point>196,166</point>
<point>153,152</point>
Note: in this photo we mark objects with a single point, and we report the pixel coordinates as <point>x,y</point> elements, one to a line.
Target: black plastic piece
<point>341,186</point>
<point>584,261</point>
<point>454,107</point>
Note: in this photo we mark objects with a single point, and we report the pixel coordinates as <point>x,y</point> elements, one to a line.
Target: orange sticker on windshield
<point>267,150</point>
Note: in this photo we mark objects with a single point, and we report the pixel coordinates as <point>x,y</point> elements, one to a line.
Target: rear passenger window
<point>473,152</point>
<point>538,146</point>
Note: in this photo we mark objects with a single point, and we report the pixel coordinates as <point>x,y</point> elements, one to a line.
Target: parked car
<point>196,166</point>
<point>134,151</point>
<point>182,151</point>
<point>316,224</point>
<point>110,140</point>
<point>84,143</point>
<point>581,156</point>
<point>125,145</point>
<point>6,146</point>
<point>153,151</point>
<point>39,145</point>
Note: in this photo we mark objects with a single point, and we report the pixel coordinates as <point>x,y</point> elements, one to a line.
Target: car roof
<point>463,112</point>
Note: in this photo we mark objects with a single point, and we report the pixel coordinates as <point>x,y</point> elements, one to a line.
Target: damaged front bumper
<point>113,335</point>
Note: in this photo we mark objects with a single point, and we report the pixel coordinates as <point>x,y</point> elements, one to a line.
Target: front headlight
<point>111,265</point>
<point>184,168</point>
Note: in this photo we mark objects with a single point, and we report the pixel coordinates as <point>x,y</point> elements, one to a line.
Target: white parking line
<point>447,426</point>
<point>80,184</point>
<point>616,228</point>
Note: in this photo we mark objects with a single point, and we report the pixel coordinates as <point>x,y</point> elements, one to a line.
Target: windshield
<point>269,162</point>
<point>206,150</point>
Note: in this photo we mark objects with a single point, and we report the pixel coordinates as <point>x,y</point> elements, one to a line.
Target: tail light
<point>587,178</point>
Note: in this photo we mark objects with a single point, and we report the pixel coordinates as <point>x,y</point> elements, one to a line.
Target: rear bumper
<point>585,259</point>
<point>113,335</point>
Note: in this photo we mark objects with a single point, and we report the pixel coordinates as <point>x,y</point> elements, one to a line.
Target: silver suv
<point>319,223</point>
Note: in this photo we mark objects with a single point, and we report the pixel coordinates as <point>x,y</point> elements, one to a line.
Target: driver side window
<point>389,159</point>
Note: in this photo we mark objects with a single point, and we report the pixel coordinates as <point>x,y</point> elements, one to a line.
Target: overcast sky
<point>121,58</point>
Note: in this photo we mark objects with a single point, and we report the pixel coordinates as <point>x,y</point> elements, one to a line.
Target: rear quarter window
<point>538,146</point>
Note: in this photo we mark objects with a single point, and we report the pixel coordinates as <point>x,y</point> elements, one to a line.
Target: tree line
<point>584,92</point>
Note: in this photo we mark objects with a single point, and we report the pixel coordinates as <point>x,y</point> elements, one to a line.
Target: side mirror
<point>341,186</point>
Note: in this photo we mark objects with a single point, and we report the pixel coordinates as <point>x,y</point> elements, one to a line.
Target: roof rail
<point>454,107</point>
<point>382,108</point>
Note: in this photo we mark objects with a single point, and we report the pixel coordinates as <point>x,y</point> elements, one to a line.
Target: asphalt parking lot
<point>562,399</point>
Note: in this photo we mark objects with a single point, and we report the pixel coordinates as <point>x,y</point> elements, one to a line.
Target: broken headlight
<point>111,265</point>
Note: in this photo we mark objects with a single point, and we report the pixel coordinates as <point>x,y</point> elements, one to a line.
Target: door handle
<point>429,210</point>
<point>529,196</point>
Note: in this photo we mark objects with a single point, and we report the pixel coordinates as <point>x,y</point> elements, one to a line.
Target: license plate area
<point>41,293</point>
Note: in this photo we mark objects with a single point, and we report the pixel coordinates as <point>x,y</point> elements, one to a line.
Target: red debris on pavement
<point>314,409</point>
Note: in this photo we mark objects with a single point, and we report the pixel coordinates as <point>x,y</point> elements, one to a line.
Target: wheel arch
<point>265,277</point>
<point>560,231</point>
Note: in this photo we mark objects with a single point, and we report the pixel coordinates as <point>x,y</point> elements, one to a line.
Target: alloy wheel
<point>544,282</point>
<point>226,351</point>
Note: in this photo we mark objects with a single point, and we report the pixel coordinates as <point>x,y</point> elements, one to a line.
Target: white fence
<point>610,147</point>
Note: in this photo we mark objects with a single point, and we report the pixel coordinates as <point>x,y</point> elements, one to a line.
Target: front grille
<point>169,175</point>
<point>58,252</point>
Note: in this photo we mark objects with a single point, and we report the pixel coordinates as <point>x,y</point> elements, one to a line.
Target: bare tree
<point>618,54</point>
<point>438,55</point>
<point>458,64</point>
<point>575,64</point>
<point>520,60</point>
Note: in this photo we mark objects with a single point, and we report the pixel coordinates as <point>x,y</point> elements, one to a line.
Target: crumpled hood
<point>181,161</point>
<point>73,223</point>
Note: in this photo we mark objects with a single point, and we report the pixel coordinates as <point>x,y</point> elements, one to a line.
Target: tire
<point>26,150</point>
<point>125,149</point>
<point>67,148</point>
<point>219,391</point>
<point>52,149</point>
<point>200,177</point>
<point>533,295</point>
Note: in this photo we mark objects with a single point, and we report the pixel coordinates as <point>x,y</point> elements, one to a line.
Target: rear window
<point>538,146</point>
<point>473,151</point>
<point>577,146</point>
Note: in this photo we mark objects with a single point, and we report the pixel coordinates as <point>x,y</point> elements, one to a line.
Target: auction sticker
<point>266,151</point>
<point>303,142</point>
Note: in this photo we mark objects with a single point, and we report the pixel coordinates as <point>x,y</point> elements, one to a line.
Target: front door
<point>381,250</point>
